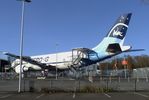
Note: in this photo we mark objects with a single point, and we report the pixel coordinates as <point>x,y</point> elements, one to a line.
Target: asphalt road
<point>73,96</point>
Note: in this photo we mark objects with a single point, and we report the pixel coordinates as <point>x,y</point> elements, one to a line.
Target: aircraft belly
<point>62,66</point>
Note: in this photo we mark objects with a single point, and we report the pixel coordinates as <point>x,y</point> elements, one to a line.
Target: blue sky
<point>70,24</point>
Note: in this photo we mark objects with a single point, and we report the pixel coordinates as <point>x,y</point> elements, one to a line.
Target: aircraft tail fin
<point>120,27</point>
<point>115,38</point>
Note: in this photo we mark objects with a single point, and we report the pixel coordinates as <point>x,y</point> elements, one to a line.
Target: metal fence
<point>65,85</point>
<point>137,80</point>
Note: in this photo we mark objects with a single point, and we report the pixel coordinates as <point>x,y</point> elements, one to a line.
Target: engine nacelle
<point>17,69</point>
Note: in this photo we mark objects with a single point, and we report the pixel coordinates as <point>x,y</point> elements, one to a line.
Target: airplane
<point>111,45</point>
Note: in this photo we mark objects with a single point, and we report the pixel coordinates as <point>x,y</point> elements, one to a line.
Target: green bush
<point>45,90</point>
<point>94,89</point>
<point>85,89</point>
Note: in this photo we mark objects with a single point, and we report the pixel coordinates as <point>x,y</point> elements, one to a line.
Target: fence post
<point>107,84</point>
<point>31,86</point>
<point>128,79</point>
<point>79,84</point>
<point>135,84</point>
<point>50,84</point>
<point>119,79</point>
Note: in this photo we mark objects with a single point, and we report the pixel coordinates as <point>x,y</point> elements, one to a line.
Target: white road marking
<point>74,95</point>
<point>5,96</point>
<point>146,96</point>
<point>40,96</point>
<point>107,95</point>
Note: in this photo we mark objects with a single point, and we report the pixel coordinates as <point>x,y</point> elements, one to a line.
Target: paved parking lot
<point>78,96</point>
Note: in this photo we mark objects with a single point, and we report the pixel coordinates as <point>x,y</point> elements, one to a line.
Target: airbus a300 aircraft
<point>110,46</point>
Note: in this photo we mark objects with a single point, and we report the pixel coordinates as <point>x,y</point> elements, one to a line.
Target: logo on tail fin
<point>120,28</point>
<point>117,32</point>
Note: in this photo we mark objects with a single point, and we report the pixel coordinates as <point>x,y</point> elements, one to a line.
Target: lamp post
<point>56,61</point>
<point>21,41</point>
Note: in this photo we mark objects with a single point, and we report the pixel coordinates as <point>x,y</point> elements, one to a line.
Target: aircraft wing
<point>27,59</point>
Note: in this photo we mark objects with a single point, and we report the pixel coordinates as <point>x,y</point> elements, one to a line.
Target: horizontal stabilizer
<point>133,50</point>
